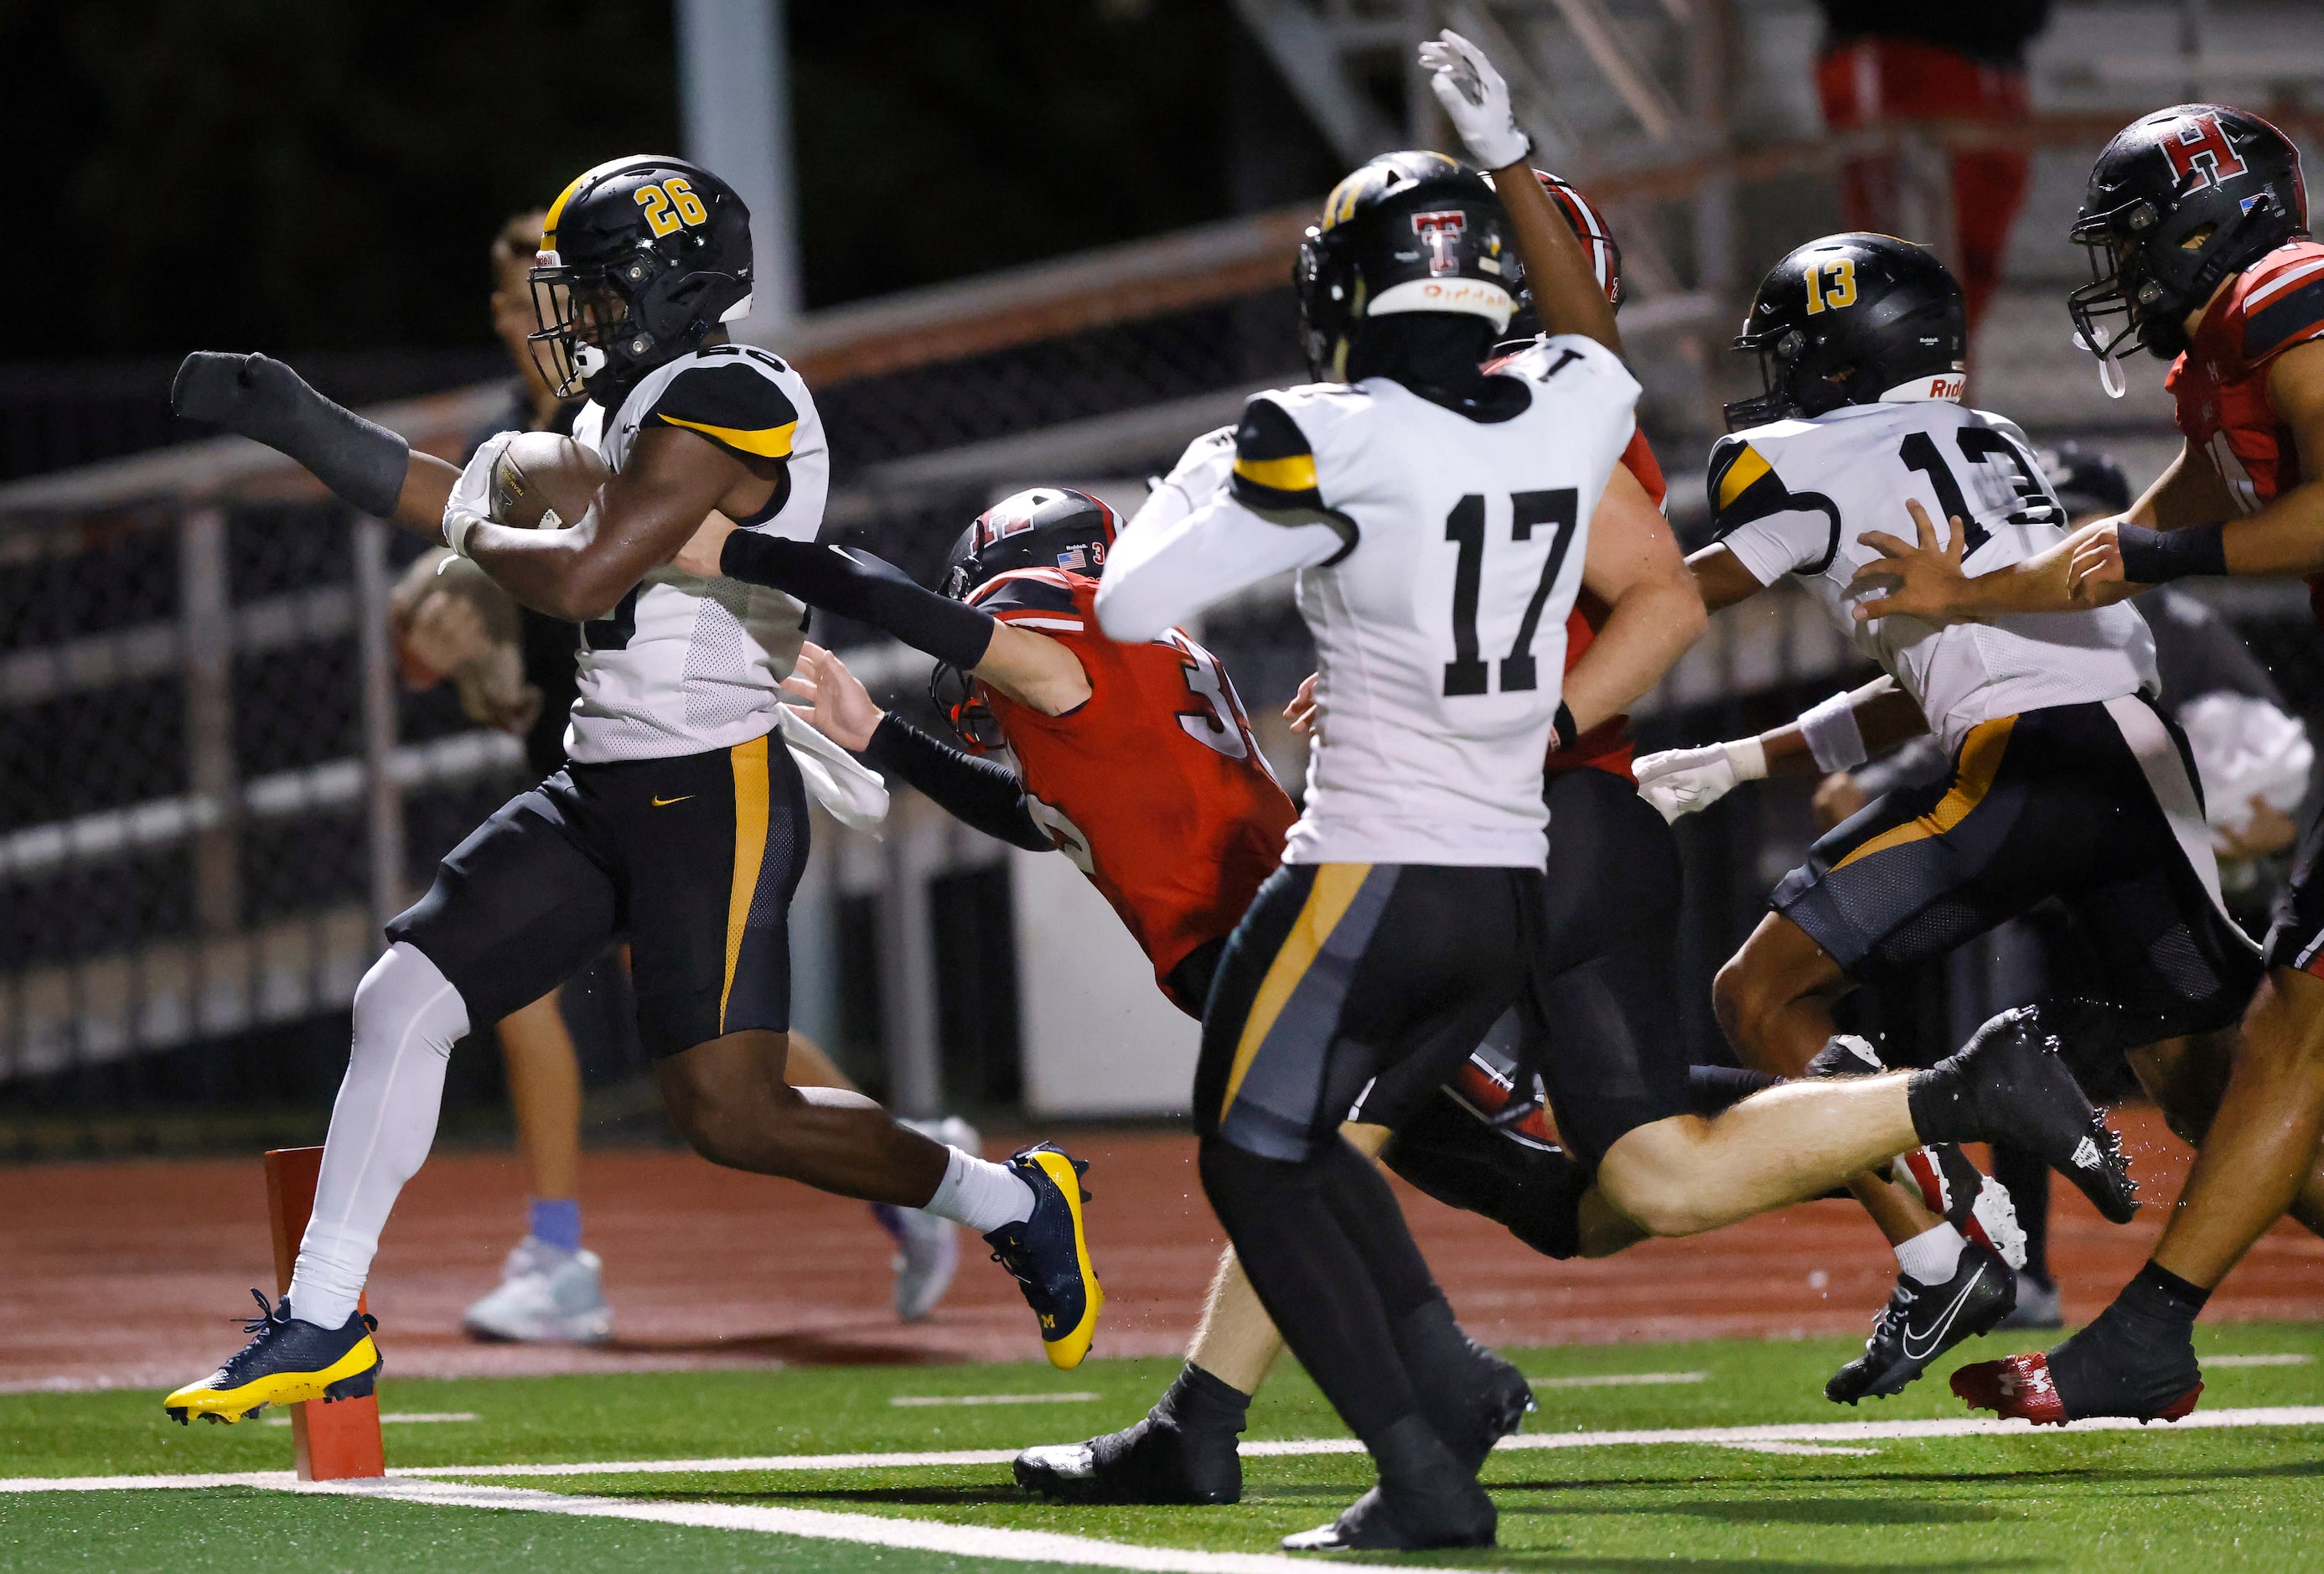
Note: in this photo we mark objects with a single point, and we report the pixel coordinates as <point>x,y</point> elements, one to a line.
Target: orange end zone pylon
<point>336,1440</point>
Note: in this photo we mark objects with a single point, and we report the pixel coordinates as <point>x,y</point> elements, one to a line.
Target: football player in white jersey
<point>681,820</point>
<point>1439,518</point>
<point>2067,781</point>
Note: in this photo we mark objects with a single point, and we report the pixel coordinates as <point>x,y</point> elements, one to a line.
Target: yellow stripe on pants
<point>1335,887</point>
<point>1980,762</point>
<point>750,793</point>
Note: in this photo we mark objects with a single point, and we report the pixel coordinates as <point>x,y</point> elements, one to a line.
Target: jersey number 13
<point>1468,673</point>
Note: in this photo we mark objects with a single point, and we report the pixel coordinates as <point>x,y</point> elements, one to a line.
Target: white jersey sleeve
<point>1771,530</point>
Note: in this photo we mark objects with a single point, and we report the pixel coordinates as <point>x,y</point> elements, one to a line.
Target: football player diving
<point>2195,219</point>
<point>1411,909</point>
<point>676,822</point>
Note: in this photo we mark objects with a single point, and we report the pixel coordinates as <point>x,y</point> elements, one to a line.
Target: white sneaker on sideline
<point>545,1295</point>
<point>928,1248</point>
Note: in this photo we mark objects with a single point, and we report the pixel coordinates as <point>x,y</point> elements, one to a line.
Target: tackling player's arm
<point>1558,275</point>
<point>1029,667</point>
<point>1633,565</point>
<point>976,792</point>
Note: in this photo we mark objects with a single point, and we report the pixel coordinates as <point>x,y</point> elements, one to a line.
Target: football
<point>545,481</point>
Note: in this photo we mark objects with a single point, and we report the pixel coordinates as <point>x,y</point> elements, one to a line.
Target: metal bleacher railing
<point>215,793</point>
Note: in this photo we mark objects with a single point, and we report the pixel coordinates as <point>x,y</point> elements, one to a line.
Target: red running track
<point>148,1264</point>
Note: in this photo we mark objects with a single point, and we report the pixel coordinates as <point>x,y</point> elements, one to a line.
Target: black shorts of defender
<point>2093,804</point>
<point>694,859</point>
<point>2295,937</point>
<point>1339,972</point>
<point>1611,1051</point>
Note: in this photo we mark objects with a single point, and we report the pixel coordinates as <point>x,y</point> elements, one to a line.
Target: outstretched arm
<point>1161,574</point>
<point>1654,612</point>
<point>366,464</point>
<point>1844,731</point>
<point>1476,100</point>
<point>1029,667</point>
<point>975,792</point>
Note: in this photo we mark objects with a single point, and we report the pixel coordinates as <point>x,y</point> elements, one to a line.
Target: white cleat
<point>545,1296</point>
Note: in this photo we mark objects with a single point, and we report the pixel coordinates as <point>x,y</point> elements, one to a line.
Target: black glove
<point>265,400</point>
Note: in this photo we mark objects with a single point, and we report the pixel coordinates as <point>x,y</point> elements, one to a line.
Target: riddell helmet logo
<point>1439,231</point>
<point>2200,154</point>
<point>1948,387</point>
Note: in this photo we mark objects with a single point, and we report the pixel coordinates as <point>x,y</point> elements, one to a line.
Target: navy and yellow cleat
<point>286,1362</point>
<point>1047,1254</point>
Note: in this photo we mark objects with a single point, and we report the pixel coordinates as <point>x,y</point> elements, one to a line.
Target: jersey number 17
<point>1468,673</point>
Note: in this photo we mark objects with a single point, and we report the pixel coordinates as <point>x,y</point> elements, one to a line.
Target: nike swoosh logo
<point>666,802</point>
<point>1937,1335</point>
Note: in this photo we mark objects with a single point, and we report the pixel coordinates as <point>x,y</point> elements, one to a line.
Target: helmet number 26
<point>669,204</point>
<point>1831,285</point>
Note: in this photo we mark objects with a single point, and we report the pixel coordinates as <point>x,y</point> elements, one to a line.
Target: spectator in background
<point>2253,759</point>
<point>515,670</point>
<point>1960,60</point>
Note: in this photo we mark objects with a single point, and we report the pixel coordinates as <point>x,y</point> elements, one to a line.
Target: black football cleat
<point>2122,1364</point>
<point>1183,1452</point>
<point>286,1362</point>
<point>2008,1084</point>
<point>1923,1321</point>
<point>1158,1461</point>
<point>1471,1396</point>
<point>1047,1254</point>
<point>1423,1500</point>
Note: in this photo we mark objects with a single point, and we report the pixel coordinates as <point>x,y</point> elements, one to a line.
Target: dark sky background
<point>323,175</point>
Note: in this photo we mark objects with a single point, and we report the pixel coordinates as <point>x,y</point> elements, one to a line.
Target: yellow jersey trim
<point>767,443</point>
<point>1981,755</point>
<point>1748,468</point>
<point>1297,474</point>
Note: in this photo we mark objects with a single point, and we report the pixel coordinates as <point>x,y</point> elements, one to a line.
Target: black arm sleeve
<point>856,585</point>
<point>266,399</point>
<point>975,792</point>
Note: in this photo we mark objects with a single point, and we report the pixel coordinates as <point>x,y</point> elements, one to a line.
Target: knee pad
<point>405,999</point>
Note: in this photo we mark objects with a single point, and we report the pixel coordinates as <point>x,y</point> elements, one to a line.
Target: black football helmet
<point>2180,199</point>
<point>641,259</point>
<point>1043,527</point>
<point>1408,232</point>
<point>1850,320</point>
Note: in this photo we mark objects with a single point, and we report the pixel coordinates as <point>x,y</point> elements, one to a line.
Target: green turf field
<point>2240,1496</point>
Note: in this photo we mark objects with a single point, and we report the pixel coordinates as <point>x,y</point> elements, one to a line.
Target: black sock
<point>1313,1283</point>
<point>2158,1293</point>
<point>1940,1107</point>
<point>2026,1179</point>
<point>1197,1402</point>
<point>1365,1209</point>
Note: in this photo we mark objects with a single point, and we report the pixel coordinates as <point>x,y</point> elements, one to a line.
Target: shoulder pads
<point>735,402</point>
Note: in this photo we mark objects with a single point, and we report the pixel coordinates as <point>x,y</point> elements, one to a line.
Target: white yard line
<point>1828,1432</point>
<point>2257,1360</point>
<point>397,1418</point>
<point>908,1401</point>
<point>959,1541</point>
<point>1620,1380</point>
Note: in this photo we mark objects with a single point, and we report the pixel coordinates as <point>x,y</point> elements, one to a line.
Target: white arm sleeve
<point>1160,576</point>
<point>1201,474</point>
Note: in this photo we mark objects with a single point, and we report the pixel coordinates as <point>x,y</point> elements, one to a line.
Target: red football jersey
<point>1606,746</point>
<point>1153,785</point>
<point>2221,382</point>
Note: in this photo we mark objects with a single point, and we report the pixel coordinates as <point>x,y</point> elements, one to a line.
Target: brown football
<point>544,479</point>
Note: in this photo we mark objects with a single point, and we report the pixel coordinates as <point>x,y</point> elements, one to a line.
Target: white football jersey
<point>1793,497</point>
<point>684,664</point>
<point>1439,626</point>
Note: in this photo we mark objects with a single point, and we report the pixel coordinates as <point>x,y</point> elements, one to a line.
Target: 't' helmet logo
<point>1439,231</point>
